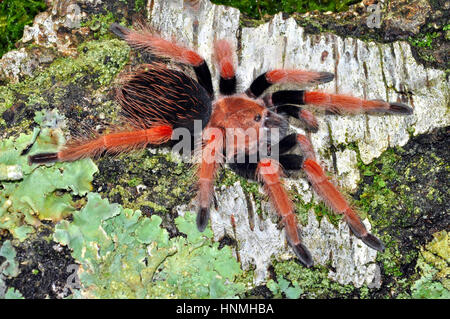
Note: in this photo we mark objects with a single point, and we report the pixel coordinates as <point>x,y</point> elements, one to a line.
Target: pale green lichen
<point>283,286</point>
<point>8,268</point>
<point>309,283</point>
<point>124,254</point>
<point>44,192</point>
<point>433,266</point>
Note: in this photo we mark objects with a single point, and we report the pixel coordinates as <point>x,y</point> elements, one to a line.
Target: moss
<point>14,16</point>
<point>258,9</point>
<point>401,209</point>
<point>149,182</point>
<point>100,23</point>
<point>310,283</point>
<point>424,40</point>
<point>97,63</point>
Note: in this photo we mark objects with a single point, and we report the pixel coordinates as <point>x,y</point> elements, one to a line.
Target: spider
<point>156,100</point>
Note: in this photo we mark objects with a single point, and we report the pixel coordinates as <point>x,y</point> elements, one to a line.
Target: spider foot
<point>400,108</point>
<point>325,77</point>
<point>202,218</point>
<point>366,237</point>
<point>303,254</point>
<point>373,242</point>
<point>43,158</point>
<point>119,30</point>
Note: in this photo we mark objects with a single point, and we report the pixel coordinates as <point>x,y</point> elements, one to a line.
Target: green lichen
<point>124,254</point>
<point>283,286</point>
<point>97,63</point>
<point>150,182</point>
<point>44,192</point>
<point>433,266</point>
<point>8,268</point>
<point>307,283</point>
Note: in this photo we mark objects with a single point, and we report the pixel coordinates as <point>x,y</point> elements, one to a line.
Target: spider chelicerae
<point>236,128</point>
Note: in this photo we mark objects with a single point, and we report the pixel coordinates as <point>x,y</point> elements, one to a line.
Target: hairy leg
<point>331,195</point>
<point>211,158</point>
<point>335,103</point>
<point>148,40</point>
<point>269,171</point>
<point>224,57</point>
<point>267,79</point>
<point>110,143</point>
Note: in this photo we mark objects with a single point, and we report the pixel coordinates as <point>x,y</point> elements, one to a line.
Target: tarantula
<point>156,100</point>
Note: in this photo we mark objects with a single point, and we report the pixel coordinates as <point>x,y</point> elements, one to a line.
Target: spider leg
<point>267,79</point>
<point>331,195</point>
<point>224,57</point>
<point>269,171</point>
<point>336,103</point>
<point>147,40</point>
<point>111,143</point>
<point>211,157</point>
<point>287,101</point>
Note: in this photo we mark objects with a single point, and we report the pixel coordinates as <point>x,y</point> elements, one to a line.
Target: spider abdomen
<point>155,94</point>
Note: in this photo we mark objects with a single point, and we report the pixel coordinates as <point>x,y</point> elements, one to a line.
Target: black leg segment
<point>204,77</point>
<point>227,86</point>
<point>258,86</point>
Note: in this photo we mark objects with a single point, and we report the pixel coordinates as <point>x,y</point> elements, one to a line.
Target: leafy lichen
<point>8,268</point>
<point>433,266</point>
<point>124,254</point>
<point>43,193</point>
<point>307,283</point>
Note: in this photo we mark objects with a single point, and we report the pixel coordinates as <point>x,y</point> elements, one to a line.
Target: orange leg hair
<point>112,143</point>
<point>350,104</point>
<point>211,158</point>
<point>331,195</point>
<point>224,57</point>
<point>269,171</point>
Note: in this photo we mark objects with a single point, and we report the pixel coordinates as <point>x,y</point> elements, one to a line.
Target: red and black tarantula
<point>156,100</point>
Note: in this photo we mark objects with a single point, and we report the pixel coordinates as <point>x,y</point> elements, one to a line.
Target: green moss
<point>97,63</point>
<point>125,255</point>
<point>100,23</point>
<point>424,40</point>
<point>14,16</point>
<point>307,283</point>
<point>165,181</point>
<point>402,211</point>
<point>258,9</point>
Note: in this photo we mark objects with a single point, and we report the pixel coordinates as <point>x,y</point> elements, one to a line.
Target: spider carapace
<point>156,100</point>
